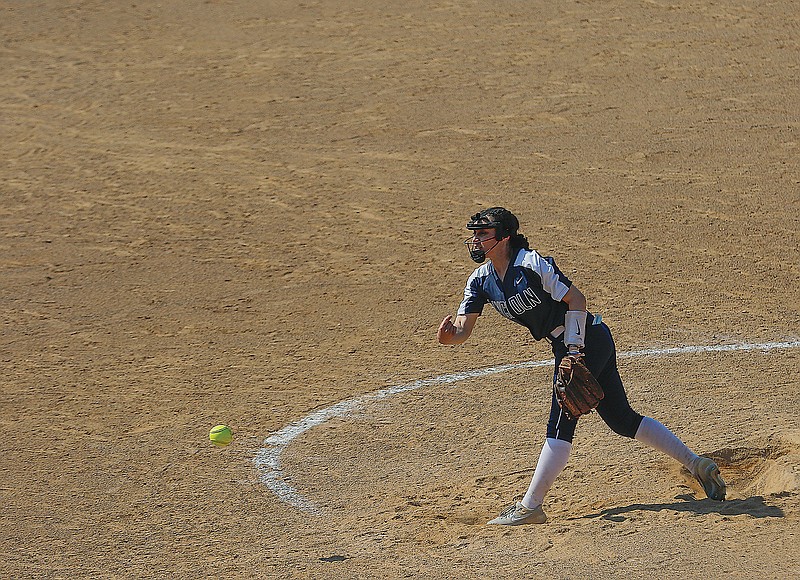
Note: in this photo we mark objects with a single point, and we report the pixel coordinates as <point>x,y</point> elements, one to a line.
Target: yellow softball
<point>221,435</point>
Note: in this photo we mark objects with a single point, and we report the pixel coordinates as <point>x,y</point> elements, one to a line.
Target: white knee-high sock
<point>552,460</point>
<point>657,436</point>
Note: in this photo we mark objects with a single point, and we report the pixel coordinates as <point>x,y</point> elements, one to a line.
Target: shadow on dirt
<point>754,506</point>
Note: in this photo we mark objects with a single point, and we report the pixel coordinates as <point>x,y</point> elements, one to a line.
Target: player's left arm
<point>575,319</point>
<point>575,299</point>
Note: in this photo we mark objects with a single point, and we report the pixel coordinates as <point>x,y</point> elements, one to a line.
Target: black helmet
<point>503,222</point>
<point>500,219</point>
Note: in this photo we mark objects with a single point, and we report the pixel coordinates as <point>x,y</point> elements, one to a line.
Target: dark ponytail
<point>519,241</point>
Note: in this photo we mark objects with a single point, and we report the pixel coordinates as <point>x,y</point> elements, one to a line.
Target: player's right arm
<point>456,332</point>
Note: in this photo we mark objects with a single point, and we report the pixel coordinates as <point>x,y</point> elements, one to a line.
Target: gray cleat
<point>517,514</point>
<point>707,473</point>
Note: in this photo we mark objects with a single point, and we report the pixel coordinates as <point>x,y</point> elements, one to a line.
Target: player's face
<point>482,237</point>
<point>483,241</point>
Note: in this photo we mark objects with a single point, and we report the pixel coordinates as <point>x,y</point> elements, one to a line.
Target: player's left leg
<point>552,460</point>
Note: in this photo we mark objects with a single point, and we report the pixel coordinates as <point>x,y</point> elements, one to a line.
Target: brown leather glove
<point>577,391</point>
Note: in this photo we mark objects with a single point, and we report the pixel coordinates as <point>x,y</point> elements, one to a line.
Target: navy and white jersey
<point>530,294</point>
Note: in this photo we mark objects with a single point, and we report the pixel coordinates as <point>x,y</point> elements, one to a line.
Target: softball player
<point>530,290</point>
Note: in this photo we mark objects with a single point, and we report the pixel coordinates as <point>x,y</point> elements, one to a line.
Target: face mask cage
<point>476,252</point>
<point>482,222</point>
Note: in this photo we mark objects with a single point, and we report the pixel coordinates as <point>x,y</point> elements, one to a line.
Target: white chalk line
<point>267,458</point>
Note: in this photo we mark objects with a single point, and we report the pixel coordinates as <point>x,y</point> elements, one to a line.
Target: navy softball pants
<point>601,359</point>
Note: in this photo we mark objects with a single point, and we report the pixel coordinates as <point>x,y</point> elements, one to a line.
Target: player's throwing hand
<point>447,330</point>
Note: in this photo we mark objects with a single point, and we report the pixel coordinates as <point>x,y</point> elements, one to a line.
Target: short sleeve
<point>552,279</point>
<point>474,297</point>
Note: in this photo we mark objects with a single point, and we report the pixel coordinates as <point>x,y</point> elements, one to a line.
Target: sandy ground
<point>246,212</point>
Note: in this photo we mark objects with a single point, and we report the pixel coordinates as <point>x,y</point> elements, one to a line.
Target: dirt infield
<point>246,212</point>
